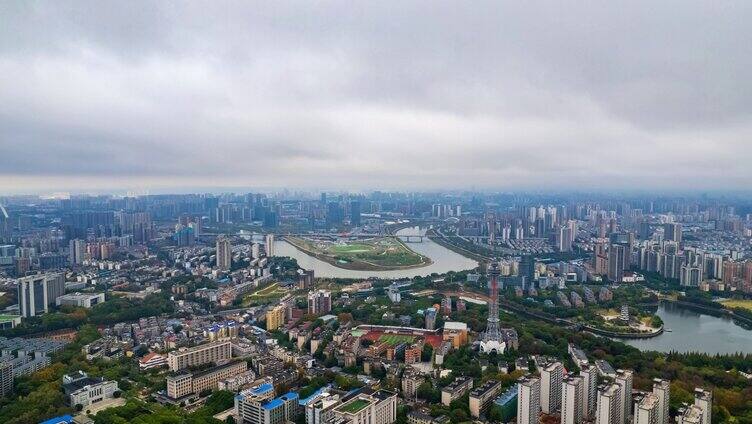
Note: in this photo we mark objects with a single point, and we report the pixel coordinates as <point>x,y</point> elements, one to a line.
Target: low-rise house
<point>152,360</point>
<point>80,389</point>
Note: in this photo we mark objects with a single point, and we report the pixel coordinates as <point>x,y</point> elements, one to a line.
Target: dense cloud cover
<point>380,94</point>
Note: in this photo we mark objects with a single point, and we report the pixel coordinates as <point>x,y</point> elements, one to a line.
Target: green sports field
<point>354,406</point>
<point>395,339</point>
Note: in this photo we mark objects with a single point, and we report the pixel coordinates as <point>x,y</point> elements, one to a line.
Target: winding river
<point>691,331</point>
<point>444,260</point>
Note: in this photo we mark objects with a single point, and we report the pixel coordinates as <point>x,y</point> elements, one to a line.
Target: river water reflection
<point>692,331</point>
<point>444,260</point>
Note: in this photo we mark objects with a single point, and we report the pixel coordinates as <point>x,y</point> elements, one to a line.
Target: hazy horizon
<point>414,96</point>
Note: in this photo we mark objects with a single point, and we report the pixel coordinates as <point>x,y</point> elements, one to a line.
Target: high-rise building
<point>6,378</point>
<point>672,231</point>
<point>430,318</point>
<point>183,235</point>
<point>528,400</point>
<point>76,252</point>
<point>482,397</point>
<point>600,259</point>
<point>275,317</point>
<point>551,380</point>
<point>446,305</point>
<point>355,213</point>
<point>319,407</point>
<point>616,262</point>
<point>455,390</point>
<point>589,374</point>
<point>37,292</point>
<point>662,391</point>
<point>646,410</point>
<point>224,253</point>
<point>411,379</point>
<point>257,405</point>
<point>565,236</point>
<point>624,380</point>
<point>380,407</point>
<point>645,230</point>
<point>704,400</point>
<point>572,399</point>
<point>527,270</point>
<point>319,302</point>
<point>608,408</point>
<point>334,214</point>
<point>269,246</point>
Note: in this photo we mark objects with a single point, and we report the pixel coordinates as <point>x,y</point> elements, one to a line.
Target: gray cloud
<point>98,95</point>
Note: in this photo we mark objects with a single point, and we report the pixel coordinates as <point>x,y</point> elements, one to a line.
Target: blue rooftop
<point>274,403</point>
<point>304,402</point>
<point>262,389</point>
<point>289,396</point>
<point>63,419</point>
<point>508,396</point>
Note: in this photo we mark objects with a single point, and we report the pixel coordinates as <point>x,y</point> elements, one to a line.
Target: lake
<point>444,260</point>
<point>693,331</point>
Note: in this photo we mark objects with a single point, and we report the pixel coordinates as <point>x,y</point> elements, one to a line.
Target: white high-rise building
<point>76,251</point>
<point>662,390</point>
<point>6,378</point>
<point>589,376</point>
<point>224,253</point>
<point>704,400</point>
<point>551,378</point>
<point>647,410</point>
<point>608,408</point>
<point>37,292</point>
<point>255,251</point>
<point>528,400</point>
<point>624,380</point>
<point>572,397</point>
<point>269,245</point>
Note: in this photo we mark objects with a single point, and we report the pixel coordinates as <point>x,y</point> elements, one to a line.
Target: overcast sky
<point>160,96</point>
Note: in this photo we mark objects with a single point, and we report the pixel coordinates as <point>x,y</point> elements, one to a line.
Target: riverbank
<point>722,311</point>
<point>566,322</point>
<point>617,335</point>
<point>360,265</point>
<point>444,242</point>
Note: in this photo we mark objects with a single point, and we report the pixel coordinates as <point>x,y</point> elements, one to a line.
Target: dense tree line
<point>115,309</point>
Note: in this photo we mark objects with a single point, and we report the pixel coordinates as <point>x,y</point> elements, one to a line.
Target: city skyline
<point>149,97</point>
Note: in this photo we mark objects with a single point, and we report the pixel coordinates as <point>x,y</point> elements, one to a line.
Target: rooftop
<point>66,419</point>
<point>507,396</point>
<point>263,388</point>
<point>454,325</point>
<point>354,406</point>
<point>81,383</point>
<point>274,403</point>
<point>382,394</point>
<point>485,387</point>
<point>459,381</point>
